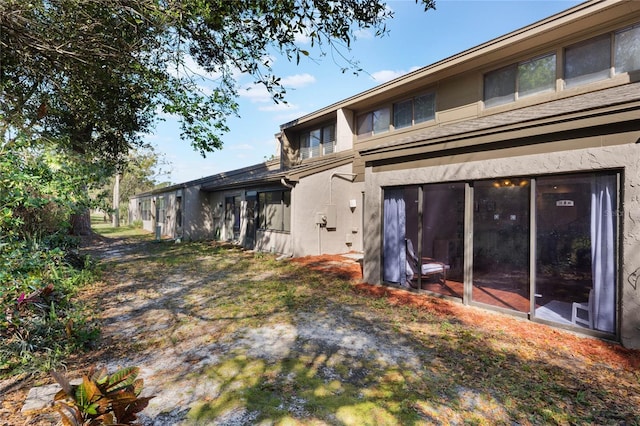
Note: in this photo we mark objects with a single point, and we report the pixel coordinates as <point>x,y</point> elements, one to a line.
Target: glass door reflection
<point>501,243</point>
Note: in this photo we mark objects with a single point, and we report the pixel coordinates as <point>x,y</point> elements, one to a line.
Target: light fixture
<point>510,183</point>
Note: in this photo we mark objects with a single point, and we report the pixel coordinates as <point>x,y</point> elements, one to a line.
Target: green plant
<point>101,399</point>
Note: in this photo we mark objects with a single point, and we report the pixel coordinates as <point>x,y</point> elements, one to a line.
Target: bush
<point>40,267</point>
<point>40,323</point>
<point>101,399</point>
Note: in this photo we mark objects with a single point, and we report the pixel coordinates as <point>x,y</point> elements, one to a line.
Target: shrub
<point>40,322</point>
<point>101,399</point>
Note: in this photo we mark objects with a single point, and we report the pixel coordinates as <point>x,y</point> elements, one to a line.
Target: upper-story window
<point>413,111</point>
<point>374,122</point>
<point>520,80</point>
<point>627,50</point>
<point>596,58</point>
<point>317,142</point>
<point>587,62</point>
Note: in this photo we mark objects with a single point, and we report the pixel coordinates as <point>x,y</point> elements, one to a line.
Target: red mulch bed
<point>538,334</point>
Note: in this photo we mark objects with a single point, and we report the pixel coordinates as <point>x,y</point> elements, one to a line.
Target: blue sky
<point>416,39</point>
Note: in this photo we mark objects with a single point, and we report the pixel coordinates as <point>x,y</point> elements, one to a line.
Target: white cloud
<point>256,93</point>
<point>298,81</point>
<point>383,76</point>
<point>363,34</point>
<point>301,38</point>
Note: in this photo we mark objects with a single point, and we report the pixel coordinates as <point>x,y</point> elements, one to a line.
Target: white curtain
<point>603,206</point>
<point>394,254</point>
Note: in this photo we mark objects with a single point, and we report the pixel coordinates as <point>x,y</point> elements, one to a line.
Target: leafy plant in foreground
<point>101,399</point>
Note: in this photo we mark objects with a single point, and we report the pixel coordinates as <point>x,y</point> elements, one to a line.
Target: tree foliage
<point>95,72</point>
<point>140,172</point>
<point>39,267</point>
<point>40,188</point>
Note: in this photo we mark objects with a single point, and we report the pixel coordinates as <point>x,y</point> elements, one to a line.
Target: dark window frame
<point>270,208</point>
<point>326,141</point>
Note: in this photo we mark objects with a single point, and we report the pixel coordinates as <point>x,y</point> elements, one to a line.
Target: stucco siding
<point>625,158</point>
<point>273,241</point>
<point>198,217</point>
<point>312,196</point>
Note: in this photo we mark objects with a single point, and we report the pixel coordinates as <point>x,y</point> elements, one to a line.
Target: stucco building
<point>506,176</point>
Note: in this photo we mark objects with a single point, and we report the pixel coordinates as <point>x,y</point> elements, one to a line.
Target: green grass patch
<point>292,388</point>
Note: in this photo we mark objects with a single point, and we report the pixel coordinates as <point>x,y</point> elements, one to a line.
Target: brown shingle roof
<point>556,109</point>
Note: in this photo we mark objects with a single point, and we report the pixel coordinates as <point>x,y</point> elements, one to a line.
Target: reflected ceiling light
<point>510,183</point>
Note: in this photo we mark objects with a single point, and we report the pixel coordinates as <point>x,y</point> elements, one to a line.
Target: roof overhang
<point>451,139</point>
<point>586,18</point>
<point>269,178</point>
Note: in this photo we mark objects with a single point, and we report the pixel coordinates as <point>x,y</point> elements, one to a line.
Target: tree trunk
<point>81,223</point>
<point>116,202</point>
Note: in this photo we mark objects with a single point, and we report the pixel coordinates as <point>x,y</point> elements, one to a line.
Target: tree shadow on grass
<point>305,346</point>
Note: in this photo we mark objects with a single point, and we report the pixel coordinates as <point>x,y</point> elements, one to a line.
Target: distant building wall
<point>330,193</point>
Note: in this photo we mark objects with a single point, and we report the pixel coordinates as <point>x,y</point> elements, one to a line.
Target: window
<point>520,80</point>
<point>328,139</point>
<point>587,62</point>
<point>374,122</point>
<point>232,212</point>
<point>627,50</point>
<point>162,210</point>
<point>275,210</point>
<point>500,86</point>
<point>424,108</point>
<point>537,76</point>
<point>145,210</point>
<point>320,141</point>
<point>414,111</point>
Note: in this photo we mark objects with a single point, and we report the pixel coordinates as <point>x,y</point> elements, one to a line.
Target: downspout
<point>183,210</point>
<point>331,176</point>
<point>284,183</point>
<point>351,175</point>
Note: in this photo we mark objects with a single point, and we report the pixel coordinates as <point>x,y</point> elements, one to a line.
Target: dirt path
<point>135,312</point>
<point>231,338</point>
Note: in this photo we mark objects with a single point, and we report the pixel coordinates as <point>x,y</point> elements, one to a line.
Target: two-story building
<point>506,176</point>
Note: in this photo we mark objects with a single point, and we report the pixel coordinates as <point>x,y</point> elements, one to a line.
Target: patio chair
<point>583,307</point>
<point>427,269</point>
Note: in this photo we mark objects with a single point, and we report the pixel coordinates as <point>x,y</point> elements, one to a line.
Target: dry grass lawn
<point>230,337</point>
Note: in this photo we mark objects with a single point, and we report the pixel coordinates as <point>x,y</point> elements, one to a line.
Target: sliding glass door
<point>575,239</point>
<point>561,262</point>
<point>423,237</point>
<point>442,246</point>
<point>501,243</point>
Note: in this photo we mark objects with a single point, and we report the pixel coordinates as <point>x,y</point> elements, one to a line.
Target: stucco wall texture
<point>622,158</point>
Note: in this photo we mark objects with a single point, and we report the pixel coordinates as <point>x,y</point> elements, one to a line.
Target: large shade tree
<point>94,72</point>
<point>90,76</point>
